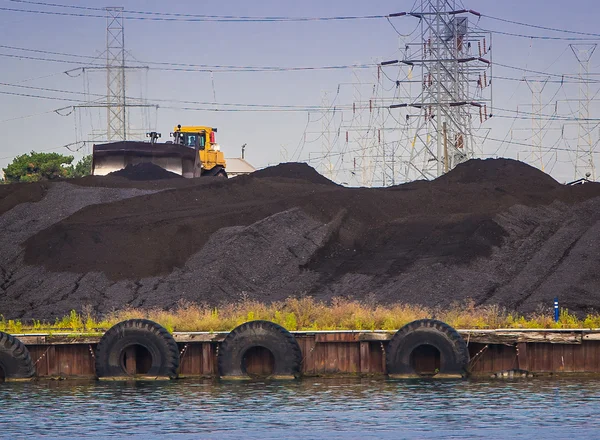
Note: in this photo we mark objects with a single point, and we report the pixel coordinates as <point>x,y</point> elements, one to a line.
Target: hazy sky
<point>30,123</point>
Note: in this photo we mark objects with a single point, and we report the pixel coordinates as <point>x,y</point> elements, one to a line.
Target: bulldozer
<point>193,152</point>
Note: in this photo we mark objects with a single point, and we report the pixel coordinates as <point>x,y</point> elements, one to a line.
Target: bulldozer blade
<point>107,158</point>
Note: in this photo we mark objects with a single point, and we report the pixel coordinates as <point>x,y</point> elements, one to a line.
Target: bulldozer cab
<point>191,140</point>
<point>199,137</point>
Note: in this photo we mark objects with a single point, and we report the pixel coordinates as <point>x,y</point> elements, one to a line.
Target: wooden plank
<point>523,361</point>
<point>568,356</point>
<point>336,337</point>
<point>365,357</point>
<point>209,359</point>
<point>377,357</point>
<point>375,336</point>
<point>595,351</point>
<point>556,358</point>
<point>307,346</point>
<point>52,364</point>
<point>579,357</point>
<point>589,352</point>
<point>199,337</point>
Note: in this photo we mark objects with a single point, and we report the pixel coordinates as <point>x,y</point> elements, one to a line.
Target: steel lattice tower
<point>326,141</point>
<point>584,156</point>
<point>115,75</point>
<point>537,86</point>
<point>455,69</point>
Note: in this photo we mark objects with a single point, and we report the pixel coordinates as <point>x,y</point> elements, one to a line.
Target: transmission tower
<point>453,58</point>
<point>584,156</point>
<point>537,86</point>
<point>115,75</point>
<point>326,141</point>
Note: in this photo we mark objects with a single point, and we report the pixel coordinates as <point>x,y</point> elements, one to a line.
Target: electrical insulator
<point>479,82</point>
<point>379,135</point>
<point>354,108</point>
<point>485,110</point>
<point>485,50</point>
<point>378,73</point>
<point>346,137</point>
<point>485,79</point>
<point>370,106</point>
<point>479,44</point>
<point>480,115</point>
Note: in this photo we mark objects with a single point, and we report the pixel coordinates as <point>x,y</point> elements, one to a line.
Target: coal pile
<point>294,170</point>
<point>145,171</point>
<point>495,231</point>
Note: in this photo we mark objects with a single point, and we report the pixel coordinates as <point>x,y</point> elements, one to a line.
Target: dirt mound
<point>14,194</point>
<point>145,171</point>
<point>493,230</point>
<point>504,172</point>
<point>294,170</point>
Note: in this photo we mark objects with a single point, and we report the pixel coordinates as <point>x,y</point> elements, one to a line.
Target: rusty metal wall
<point>64,360</point>
<point>330,354</point>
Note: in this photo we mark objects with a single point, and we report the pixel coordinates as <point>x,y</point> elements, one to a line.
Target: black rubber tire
<point>15,360</point>
<point>281,343</point>
<point>454,354</point>
<point>150,335</point>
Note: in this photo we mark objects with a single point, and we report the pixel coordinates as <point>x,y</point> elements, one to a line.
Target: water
<point>310,408</point>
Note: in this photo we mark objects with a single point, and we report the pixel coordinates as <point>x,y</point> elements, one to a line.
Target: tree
<point>81,168</point>
<point>34,167</point>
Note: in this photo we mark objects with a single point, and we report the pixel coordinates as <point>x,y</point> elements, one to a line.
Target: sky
<point>37,114</point>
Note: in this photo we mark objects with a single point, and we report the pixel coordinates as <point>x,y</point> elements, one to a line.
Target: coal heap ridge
<point>145,171</point>
<point>497,231</point>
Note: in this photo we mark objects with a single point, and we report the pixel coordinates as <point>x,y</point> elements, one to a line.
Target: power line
<point>529,25</point>
<point>187,67</point>
<point>183,17</point>
<point>536,37</point>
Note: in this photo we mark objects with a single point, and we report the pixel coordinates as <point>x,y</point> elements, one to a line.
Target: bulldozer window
<point>191,140</point>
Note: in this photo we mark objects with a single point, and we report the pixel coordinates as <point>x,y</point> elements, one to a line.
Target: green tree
<point>81,168</point>
<point>37,166</point>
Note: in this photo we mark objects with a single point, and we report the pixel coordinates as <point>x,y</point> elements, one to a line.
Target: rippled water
<point>310,408</point>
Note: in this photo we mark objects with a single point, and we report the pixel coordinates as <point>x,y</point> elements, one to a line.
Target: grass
<point>308,314</point>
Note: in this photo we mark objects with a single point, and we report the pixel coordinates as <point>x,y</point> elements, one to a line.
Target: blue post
<point>556,312</point>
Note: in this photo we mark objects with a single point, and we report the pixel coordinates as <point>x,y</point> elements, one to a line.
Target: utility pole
<point>584,156</point>
<point>452,58</point>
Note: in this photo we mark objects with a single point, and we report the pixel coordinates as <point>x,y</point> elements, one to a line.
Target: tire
<point>265,334</point>
<point>141,332</point>
<point>453,351</point>
<point>15,360</point>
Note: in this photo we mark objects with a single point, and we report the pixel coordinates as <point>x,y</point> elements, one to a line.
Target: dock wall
<point>344,353</point>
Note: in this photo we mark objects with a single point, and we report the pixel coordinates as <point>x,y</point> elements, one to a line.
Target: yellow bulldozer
<point>193,152</point>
